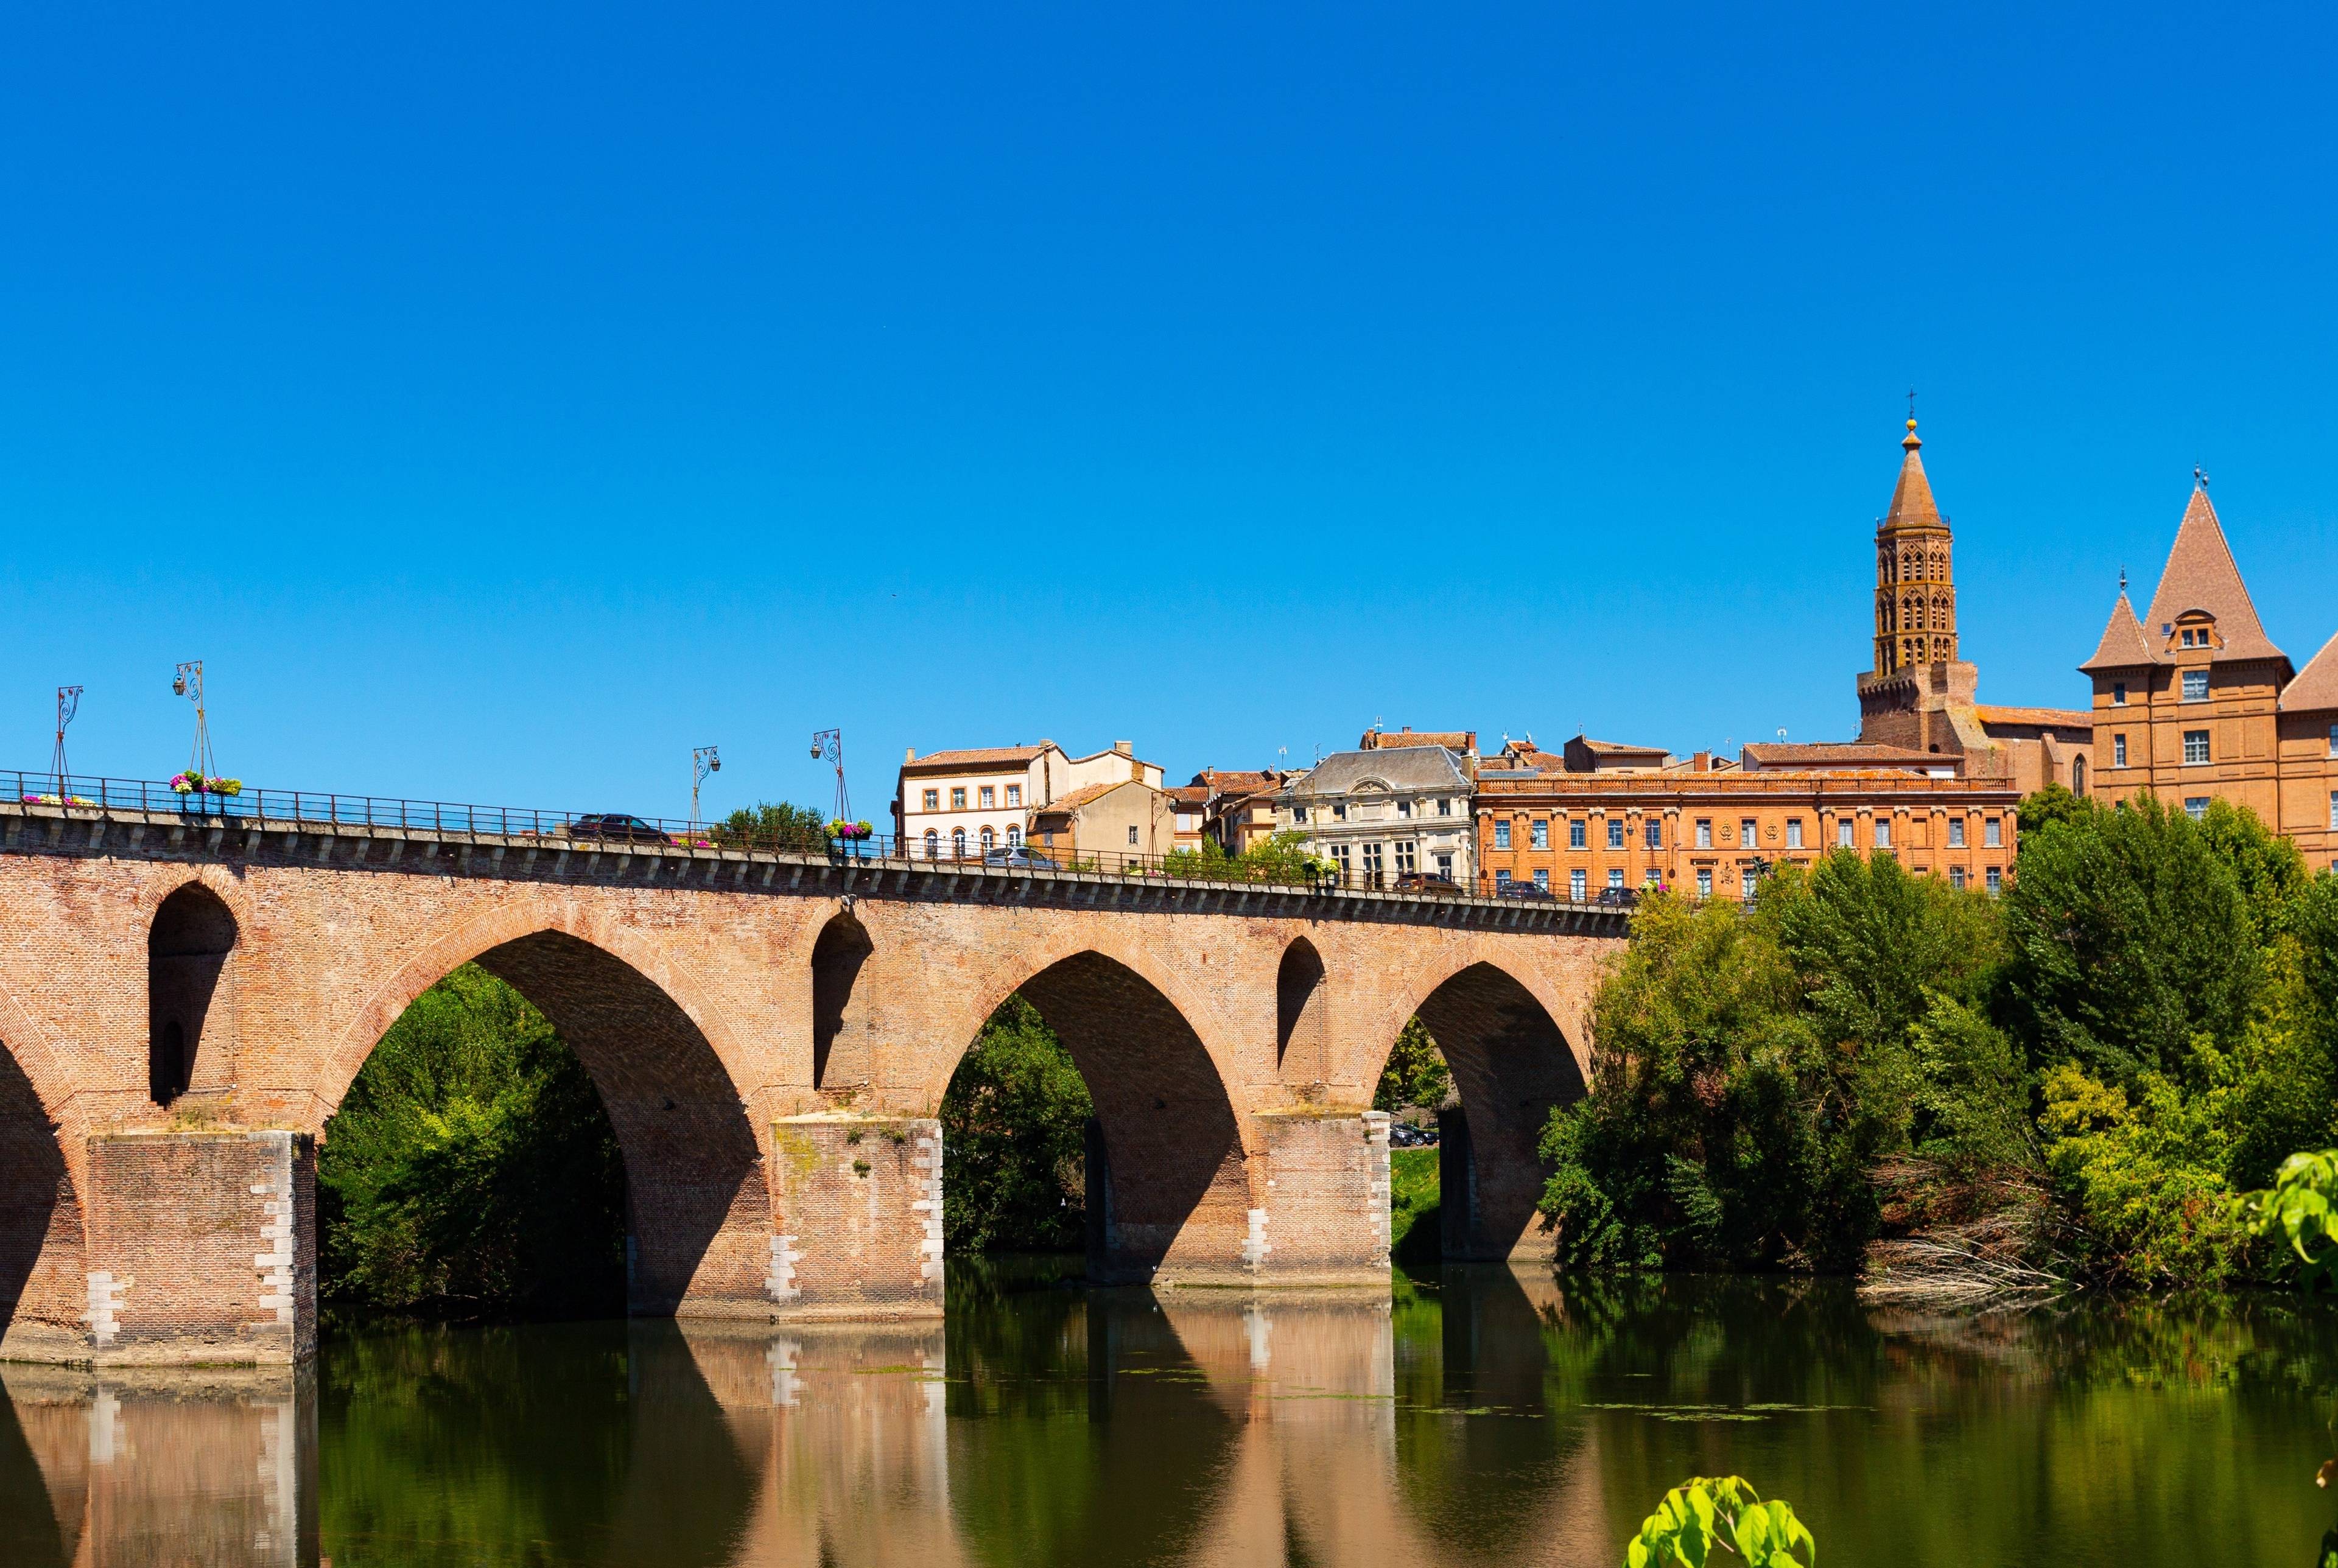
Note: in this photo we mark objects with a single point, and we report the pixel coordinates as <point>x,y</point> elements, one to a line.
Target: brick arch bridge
<point>771,1035</point>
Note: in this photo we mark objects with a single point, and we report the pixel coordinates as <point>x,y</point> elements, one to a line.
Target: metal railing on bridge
<point>606,831</point>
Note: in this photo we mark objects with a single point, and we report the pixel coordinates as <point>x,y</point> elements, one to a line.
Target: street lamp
<point>189,684</point>
<point>702,762</point>
<point>68,705</point>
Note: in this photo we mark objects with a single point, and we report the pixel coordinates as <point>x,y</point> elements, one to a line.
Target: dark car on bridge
<point>1523,890</point>
<point>1618,899</point>
<point>616,827</point>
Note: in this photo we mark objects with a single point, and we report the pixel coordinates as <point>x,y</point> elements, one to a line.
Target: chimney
<point>1125,748</point>
<point>910,754</point>
<point>1701,763</point>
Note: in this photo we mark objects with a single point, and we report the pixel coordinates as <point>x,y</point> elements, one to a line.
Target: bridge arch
<point>697,1211</point>
<point>841,1056</point>
<point>1302,1007</point>
<point>1169,1191</point>
<point>1498,1025</point>
<point>191,945</point>
<point>42,1235</point>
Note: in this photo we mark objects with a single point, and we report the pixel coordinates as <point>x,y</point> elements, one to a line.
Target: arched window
<point>957,843</point>
<point>933,844</point>
<point>1014,835</point>
<point>989,840</point>
<point>2078,775</point>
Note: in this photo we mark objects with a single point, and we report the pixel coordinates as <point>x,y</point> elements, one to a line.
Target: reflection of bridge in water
<point>1194,1427</point>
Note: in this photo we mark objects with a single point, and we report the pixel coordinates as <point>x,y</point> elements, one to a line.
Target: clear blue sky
<point>502,404</point>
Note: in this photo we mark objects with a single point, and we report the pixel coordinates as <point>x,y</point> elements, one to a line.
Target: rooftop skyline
<point>501,409</point>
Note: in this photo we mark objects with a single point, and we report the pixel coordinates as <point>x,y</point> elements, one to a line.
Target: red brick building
<point>2194,702</point>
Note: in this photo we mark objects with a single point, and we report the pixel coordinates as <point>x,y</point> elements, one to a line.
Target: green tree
<point>2050,804</point>
<point>1416,1074</point>
<point>781,826</point>
<point>1014,1140</point>
<point>2128,937</point>
<point>471,1169</point>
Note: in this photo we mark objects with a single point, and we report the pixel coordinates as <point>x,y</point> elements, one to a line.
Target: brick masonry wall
<point>201,1248</point>
<point>857,1217</point>
<point>1324,1217</point>
<point>687,989</point>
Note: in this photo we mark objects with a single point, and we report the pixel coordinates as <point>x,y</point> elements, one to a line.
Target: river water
<point>1468,1417</point>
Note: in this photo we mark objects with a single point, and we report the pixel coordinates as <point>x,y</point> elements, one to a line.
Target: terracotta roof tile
<point>1452,740</point>
<point>1189,794</point>
<point>2123,645</point>
<point>2201,575</point>
<point>1081,797</point>
<point>2050,718</point>
<point>976,757</point>
<point>1767,755</point>
<point>2315,689</point>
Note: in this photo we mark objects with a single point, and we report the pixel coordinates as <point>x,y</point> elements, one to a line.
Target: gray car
<point>1015,857</point>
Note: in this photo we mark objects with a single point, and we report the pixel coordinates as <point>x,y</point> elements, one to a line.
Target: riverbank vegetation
<point>2077,1078</point>
<point>471,1171</point>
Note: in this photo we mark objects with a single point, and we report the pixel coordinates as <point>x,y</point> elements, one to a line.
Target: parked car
<point>1405,1135</point>
<point>614,827</point>
<point>1618,899</point>
<point>1017,857</point>
<point>1425,882</point>
<point>1522,890</point>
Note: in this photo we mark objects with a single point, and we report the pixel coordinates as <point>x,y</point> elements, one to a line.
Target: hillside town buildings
<point>2194,702</point>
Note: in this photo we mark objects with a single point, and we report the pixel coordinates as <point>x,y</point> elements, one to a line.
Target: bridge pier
<point>857,1223</point>
<point>201,1248</point>
<point>1323,1219</point>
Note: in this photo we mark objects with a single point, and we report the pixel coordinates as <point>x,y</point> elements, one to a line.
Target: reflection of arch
<point>836,960</point>
<point>1511,1065</point>
<point>1167,1185</point>
<point>1302,1035</point>
<point>188,946</point>
<point>697,1209</point>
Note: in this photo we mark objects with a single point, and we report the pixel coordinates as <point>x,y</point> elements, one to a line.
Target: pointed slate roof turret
<point>2201,575</point>
<point>2315,690</point>
<point>2123,645</point>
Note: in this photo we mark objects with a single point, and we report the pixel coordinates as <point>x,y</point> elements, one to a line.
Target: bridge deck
<point>30,826</point>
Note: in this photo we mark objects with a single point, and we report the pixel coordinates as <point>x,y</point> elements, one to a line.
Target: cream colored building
<point>955,805</point>
<point>1387,814</point>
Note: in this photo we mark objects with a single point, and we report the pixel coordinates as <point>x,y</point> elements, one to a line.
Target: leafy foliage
<point>1277,858</point>
<point>1014,1140</point>
<point>1702,1517</point>
<point>779,826</point>
<point>1416,1074</point>
<point>1751,1069</point>
<point>2129,937</point>
<point>471,1169</point>
<point>2301,1211</point>
<point>2144,1025</point>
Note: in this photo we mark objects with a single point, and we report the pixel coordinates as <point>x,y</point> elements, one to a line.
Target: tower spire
<point>1915,586</point>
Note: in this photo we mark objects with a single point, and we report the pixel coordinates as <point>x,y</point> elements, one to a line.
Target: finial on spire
<point>2199,479</point>
<point>2122,581</point>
